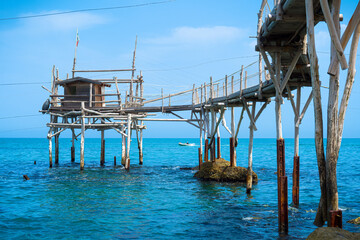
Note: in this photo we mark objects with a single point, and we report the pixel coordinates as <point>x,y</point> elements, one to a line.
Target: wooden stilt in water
<point>127,161</point>
<point>50,152</point>
<point>212,147</point>
<point>200,158</point>
<point>233,137</point>
<point>56,138</point>
<point>82,136</point>
<point>296,181</point>
<point>73,148</point>
<point>140,146</point>
<point>114,160</point>
<point>206,152</point>
<point>218,142</point>
<point>283,205</point>
<point>123,147</point>
<point>282,187</point>
<point>57,149</point>
<point>296,170</point>
<point>251,140</point>
<point>232,146</point>
<point>335,218</point>
<point>218,147</point>
<point>102,154</point>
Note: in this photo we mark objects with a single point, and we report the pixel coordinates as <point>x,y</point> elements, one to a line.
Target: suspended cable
<point>85,10</point>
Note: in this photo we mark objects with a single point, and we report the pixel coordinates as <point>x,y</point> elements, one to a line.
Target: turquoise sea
<point>159,200</point>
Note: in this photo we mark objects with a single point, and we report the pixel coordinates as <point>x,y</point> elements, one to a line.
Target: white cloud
<point>201,35</point>
<point>62,22</point>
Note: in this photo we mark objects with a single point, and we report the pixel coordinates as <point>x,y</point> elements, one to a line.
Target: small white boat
<point>187,144</point>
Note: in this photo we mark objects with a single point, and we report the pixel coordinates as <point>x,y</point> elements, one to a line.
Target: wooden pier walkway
<point>287,62</point>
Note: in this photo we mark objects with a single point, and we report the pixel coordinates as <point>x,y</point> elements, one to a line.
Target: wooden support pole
<point>251,140</point>
<point>335,218</point>
<point>50,152</point>
<point>232,157</point>
<point>127,161</point>
<point>73,147</point>
<point>212,146</point>
<point>245,81</point>
<point>233,154</point>
<point>206,152</point>
<point>241,79</point>
<point>140,145</point>
<point>57,149</point>
<point>102,154</point>
<point>296,181</point>
<point>82,136</point>
<point>114,160</point>
<point>201,124</point>
<point>123,146</point>
<point>296,167</point>
<point>226,86</point>
<point>282,187</point>
<point>321,214</point>
<point>200,158</point>
<point>218,137</point>
<point>283,205</point>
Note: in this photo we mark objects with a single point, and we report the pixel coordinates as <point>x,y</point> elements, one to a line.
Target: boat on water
<point>187,144</point>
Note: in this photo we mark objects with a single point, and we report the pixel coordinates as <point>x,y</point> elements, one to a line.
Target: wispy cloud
<point>62,22</point>
<point>200,35</point>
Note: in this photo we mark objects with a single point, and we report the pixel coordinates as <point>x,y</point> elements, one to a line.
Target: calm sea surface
<point>159,200</point>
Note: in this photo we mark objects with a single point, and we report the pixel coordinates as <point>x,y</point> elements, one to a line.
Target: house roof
<point>81,79</point>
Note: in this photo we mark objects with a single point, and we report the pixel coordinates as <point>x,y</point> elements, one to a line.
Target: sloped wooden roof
<point>81,79</point>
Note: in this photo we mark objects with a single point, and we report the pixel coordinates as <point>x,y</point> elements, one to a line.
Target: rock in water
<point>354,221</point>
<point>221,171</point>
<point>331,233</point>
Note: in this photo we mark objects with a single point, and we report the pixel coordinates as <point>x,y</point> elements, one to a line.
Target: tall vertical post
<point>201,124</point>
<point>212,147</point>
<point>57,148</point>
<point>251,140</point>
<point>56,138</point>
<point>282,179</point>
<point>73,146</point>
<point>102,154</point>
<point>296,167</point>
<point>218,141</point>
<point>50,152</point>
<point>127,161</point>
<point>82,136</point>
<point>232,140</point>
<point>141,144</point>
<point>123,146</point>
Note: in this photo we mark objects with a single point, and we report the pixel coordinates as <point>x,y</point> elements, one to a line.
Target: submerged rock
<point>331,233</point>
<point>221,171</point>
<point>354,221</point>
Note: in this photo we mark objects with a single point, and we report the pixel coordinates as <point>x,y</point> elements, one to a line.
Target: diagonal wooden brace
<point>304,109</point>
<point>249,114</point>
<point>290,70</point>
<point>333,34</point>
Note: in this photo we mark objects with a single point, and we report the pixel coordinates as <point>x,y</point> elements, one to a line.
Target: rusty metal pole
<point>206,152</point>
<point>296,181</point>
<point>218,148</point>
<point>282,187</point>
<point>232,156</point>
<point>336,218</point>
<point>200,158</point>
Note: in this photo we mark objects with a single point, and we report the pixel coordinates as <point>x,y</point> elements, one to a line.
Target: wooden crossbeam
<point>212,137</point>
<point>272,74</point>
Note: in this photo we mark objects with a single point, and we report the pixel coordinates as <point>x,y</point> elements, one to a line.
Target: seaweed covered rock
<point>354,221</point>
<point>331,233</point>
<point>221,171</point>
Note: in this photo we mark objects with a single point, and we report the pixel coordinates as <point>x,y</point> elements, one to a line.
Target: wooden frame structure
<point>286,45</point>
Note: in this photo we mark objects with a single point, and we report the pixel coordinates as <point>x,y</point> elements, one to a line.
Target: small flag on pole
<point>77,37</point>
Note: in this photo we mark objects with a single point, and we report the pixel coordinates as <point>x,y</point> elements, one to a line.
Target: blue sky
<point>179,43</point>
